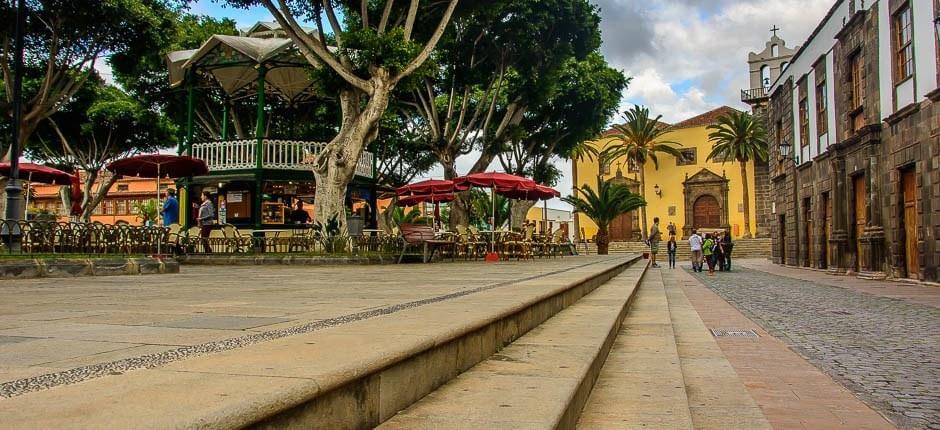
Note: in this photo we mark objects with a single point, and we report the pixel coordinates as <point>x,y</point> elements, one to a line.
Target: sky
<point>685,56</point>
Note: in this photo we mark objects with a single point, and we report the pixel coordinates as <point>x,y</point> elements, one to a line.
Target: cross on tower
<point>774,30</point>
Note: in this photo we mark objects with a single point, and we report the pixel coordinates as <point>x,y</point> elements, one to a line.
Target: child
<point>671,250</point>
<point>708,250</point>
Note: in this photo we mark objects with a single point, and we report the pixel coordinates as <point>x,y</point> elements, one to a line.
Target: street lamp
<point>787,153</point>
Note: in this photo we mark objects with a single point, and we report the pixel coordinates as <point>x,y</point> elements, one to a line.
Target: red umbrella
<point>494,180</point>
<point>538,192</point>
<point>430,186</point>
<point>38,173</point>
<point>425,198</point>
<point>159,166</point>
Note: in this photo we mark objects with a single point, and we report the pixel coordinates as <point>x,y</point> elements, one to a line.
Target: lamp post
<point>14,191</point>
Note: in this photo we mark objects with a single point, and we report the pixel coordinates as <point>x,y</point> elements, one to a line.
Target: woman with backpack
<point>671,247</point>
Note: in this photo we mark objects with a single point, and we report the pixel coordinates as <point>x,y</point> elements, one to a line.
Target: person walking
<point>708,249</point>
<point>671,247</point>
<point>726,246</point>
<point>695,250</point>
<point>206,219</point>
<point>719,253</point>
<point>671,228</point>
<point>171,208</point>
<point>654,238</point>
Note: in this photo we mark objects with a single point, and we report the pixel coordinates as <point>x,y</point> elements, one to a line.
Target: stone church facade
<point>854,129</point>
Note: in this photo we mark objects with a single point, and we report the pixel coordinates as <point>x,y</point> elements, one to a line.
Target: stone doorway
<point>909,219</point>
<point>706,202</point>
<point>627,226</point>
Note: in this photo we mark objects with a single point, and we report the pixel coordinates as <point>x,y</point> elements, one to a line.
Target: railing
<point>55,238</point>
<point>275,154</point>
<point>753,94</point>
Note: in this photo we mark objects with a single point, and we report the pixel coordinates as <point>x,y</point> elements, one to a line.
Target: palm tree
<point>640,139</point>
<point>739,136</point>
<point>411,217</point>
<point>609,201</point>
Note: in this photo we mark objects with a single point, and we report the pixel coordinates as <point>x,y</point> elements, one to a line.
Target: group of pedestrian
<point>714,249</point>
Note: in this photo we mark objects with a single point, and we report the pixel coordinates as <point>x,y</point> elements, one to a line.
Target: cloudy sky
<point>685,56</point>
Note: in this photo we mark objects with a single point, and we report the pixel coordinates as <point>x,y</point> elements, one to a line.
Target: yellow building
<point>689,192</point>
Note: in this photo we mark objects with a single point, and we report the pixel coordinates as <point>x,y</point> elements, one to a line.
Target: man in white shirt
<point>695,245</point>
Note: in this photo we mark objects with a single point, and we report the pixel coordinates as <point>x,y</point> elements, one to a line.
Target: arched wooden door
<point>705,212</point>
<point>621,229</point>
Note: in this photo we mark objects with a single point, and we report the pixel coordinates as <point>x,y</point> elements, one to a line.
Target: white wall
<point>925,54</point>
<point>831,96</point>
<point>811,112</point>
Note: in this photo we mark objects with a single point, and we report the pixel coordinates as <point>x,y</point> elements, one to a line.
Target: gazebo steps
<point>542,380</point>
<point>354,375</point>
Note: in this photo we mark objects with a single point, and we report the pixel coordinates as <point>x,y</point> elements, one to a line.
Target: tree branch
<point>385,15</point>
<point>430,45</point>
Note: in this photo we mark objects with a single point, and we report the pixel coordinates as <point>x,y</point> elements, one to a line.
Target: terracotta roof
<point>696,121</point>
<point>704,119</point>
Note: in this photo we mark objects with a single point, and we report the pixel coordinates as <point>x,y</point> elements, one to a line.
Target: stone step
<point>540,381</point>
<point>743,248</point>
<point>641,385</point>
<point>665,370</point>
<point>349,376</point>
<point>717,397</point>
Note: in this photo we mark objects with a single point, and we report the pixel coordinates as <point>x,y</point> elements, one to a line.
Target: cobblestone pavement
<point>885,350</point>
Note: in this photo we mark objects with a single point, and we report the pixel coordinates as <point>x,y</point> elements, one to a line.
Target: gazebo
<point>259,78</point>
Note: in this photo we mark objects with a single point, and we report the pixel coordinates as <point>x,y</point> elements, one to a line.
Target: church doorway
<point>621,229</point>
<point>706,213</point>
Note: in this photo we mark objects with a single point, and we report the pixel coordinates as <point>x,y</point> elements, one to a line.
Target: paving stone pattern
<point>885,350</point>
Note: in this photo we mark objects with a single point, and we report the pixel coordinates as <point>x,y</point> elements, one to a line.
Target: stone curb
<point>70,268</point>
<point>286,260</point>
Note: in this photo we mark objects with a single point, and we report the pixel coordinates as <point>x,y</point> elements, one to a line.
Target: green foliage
<point>330,235</point>
<point>413,216</point>
<point>640,138</point>
<point>146,211</point>
<point>481,204</point>
<point>604,203</point>
<point>738,136</point>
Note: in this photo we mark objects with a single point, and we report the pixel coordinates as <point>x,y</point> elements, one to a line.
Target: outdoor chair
<point>520,246</point>
<point>234,240</point>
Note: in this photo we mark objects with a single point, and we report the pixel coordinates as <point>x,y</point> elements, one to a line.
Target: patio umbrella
<point>425,198</point>
<point>30,172</point>
<point>538,192</point>
<point>430,186</point>
<point>495,181</point>
<point>159,166</point>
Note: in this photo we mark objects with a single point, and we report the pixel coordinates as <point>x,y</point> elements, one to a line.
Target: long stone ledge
<point>354,375</point>
<point>27,268</point>
<point>543,379</point>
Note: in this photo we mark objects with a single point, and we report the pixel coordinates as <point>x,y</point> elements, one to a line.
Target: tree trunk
<point>460,207</point>
<point>519,210</point>
<point>335,167</point>
<point>3,198</point>
<point>92,197</point>
<point>747,205</point>
<point>602,239</point>
<point>643,208</point>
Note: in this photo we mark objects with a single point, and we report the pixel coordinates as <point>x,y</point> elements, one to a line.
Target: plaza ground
<point>832,352</point>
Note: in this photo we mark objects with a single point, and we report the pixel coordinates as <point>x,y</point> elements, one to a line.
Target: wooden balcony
<point>275,154</point>
<point>753,95</point>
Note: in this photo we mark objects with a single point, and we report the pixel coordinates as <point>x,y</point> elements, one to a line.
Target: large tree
<point>641,139</point>
<point>495,65</point>
<point>378,45</point>
<point>99,124</point>
<point>588,94</point>
<point>146,77</point>
<point>740,137</point>
<point>64,40</point>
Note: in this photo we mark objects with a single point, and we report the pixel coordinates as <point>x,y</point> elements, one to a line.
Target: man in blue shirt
<point>171,208</point>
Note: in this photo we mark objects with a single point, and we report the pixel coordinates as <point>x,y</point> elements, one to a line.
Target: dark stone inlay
<point>84,373</point>
<point>222,322</point>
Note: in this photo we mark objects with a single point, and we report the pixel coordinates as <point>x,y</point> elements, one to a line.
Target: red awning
<point>538,192</point>
<point>425,198</point>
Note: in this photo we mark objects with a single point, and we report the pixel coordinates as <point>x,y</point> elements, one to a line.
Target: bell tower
<point>765,67</point>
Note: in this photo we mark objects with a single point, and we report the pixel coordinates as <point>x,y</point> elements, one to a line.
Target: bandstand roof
<point>231,62</point>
